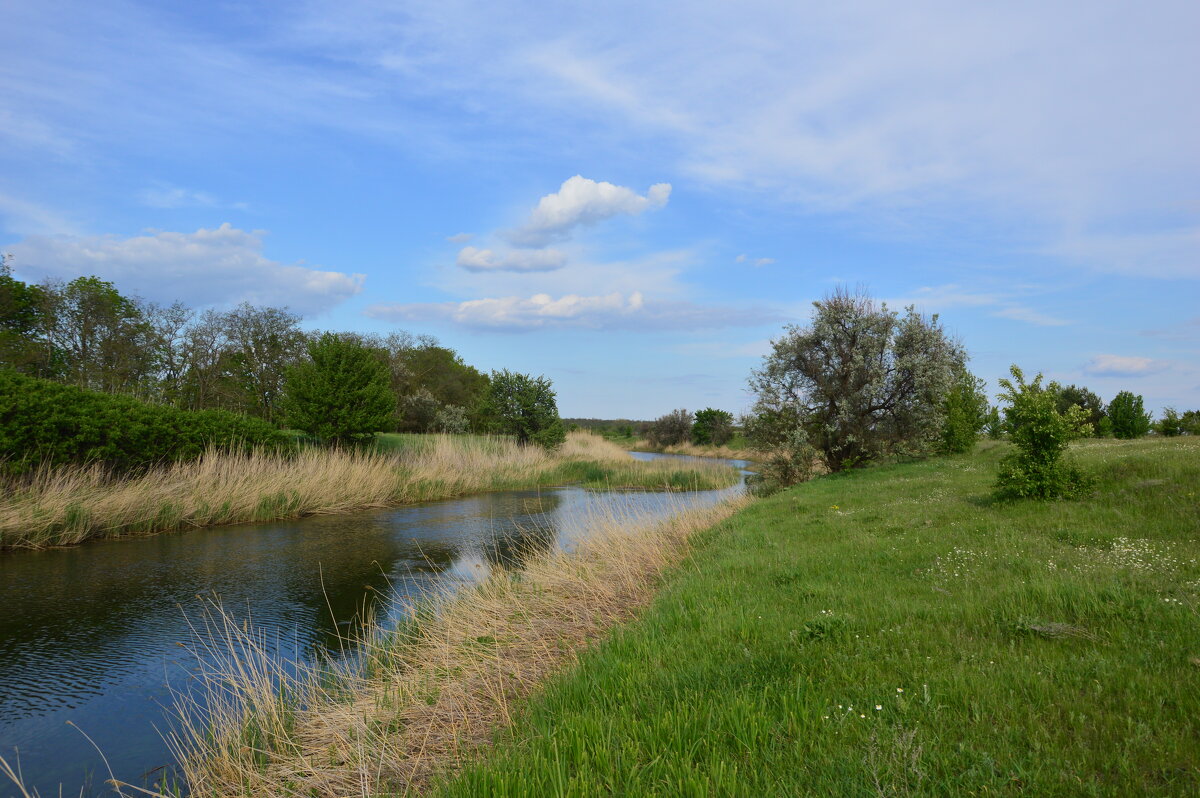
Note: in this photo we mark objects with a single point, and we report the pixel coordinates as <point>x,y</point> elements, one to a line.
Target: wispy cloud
<point>210,266</point>
<point>614,311</point>
<point>517,260</point>
<point>460,238</point>
<point>1029,316</point>
<point>1123,366</point>
<point>171,197</point>
<point>756,262</point>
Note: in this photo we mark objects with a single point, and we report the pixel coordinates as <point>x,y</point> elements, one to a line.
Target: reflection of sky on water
<point>93,634</point>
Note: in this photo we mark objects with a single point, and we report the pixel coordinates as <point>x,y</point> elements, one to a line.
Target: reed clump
<point>68,505</point>
<point>419,701</point>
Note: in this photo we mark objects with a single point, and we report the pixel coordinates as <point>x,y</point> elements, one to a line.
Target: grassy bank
<point>431,692</point>
<point>736,449</point>
<point>895,632</point>
<point>64,506</point>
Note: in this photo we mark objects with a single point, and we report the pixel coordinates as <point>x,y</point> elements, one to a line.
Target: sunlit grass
<point>896,631</point>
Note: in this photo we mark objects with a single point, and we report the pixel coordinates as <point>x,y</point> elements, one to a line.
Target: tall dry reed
<point>65,506</point>
<point>426,698</point>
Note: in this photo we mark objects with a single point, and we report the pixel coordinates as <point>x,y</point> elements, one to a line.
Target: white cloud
<point>171,197</point>
<point>460,238</point>
<point>614,311</point>
<point>1029,316</point>
<point>580,201</point>
<point>23,217</point>
<point>755,262</point>
<point>1123,366</point>
<point>219,266</point>
<point>951,295</point>
<point>1167,254</point>
<point>517,260</point>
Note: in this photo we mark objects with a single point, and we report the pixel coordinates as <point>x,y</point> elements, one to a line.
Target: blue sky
<point>629,198</point>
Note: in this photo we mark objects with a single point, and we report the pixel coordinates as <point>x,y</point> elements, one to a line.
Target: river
<point>94,639</point>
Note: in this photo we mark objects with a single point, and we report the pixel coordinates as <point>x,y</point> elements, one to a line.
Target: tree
<point>340,393</point>
<point>1038,468</point>
<point>260,343</point>
<point>670,430</point>
<point>966,413</point>
<point>861,380</point>
<point>1128,418</point>
<point>103,338</point>
<point>1170,425</point>
<point>1079,396</point>
<point>524,407</point>
<point>23,309</point>
<point>712,427</point>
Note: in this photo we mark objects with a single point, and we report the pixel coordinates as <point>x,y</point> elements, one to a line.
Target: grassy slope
<point>1011,649</point>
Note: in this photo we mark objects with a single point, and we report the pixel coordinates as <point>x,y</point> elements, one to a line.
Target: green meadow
<point>895,630</point>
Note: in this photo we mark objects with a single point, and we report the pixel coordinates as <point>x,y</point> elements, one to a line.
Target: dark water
<point>95,635</point>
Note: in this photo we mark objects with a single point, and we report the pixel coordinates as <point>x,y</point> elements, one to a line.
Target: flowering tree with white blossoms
<point>860,380</point>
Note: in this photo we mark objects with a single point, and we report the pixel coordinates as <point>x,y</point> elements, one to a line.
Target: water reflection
<point>94,634</point>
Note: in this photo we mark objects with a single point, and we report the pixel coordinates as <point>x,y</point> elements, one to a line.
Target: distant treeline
<point>87,334</point>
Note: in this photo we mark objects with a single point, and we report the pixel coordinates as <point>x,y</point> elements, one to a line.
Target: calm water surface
<point>96,635</point>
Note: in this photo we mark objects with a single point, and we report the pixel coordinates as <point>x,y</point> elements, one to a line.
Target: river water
<point>94,639</point>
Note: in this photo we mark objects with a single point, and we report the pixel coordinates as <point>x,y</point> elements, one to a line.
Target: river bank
<point>421,698</point>
<point>896,631</point>
<point>67,506</point>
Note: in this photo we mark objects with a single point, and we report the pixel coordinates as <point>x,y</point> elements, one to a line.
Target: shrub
<point>965,413</point>
<point>1038,468</point>
<point>785,465</point>
<point>712,427</point>
<point>340,393</point>
<point>47,422</point>
<point>1091,404</point>
<point>1128,418</point>
<point>1170,425</point>
<point>670,430</point>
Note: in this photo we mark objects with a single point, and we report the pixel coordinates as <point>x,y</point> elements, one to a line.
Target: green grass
<point>986,648</point>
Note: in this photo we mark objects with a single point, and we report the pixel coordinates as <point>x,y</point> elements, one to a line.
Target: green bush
<point>340,394</point>
<point>712,427</point>
<point>1127,416</point>
<point>965,412</point>
<point>1038,468</point>
<point>46,422</point>
<point>787,464</point>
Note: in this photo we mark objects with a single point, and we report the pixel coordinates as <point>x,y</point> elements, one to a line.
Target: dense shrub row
<point>47,422</point>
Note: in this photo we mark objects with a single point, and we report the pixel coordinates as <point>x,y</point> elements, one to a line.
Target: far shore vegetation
<point>70,504</point>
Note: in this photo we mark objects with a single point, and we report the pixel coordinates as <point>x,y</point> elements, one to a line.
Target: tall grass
<point>65,506</point>
<point>419,700</point>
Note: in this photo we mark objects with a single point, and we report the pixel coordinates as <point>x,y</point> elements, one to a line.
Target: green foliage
<point>671,429</point>
<point>23,311</point>
<point>712,427</point>
<point>43,422</point>
<point>965,413</point>
<point>993,423</point>
<point>1128,418</point>
<point>341,393</point>
<point>1038,469</point>
<point>524,407</point>
<point>785,465</point>
<point>862,380</point>
<point>1170,425</point>
<point>1079,396</point>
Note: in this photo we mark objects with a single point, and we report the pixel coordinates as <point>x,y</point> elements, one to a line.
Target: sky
<point>632,199</point>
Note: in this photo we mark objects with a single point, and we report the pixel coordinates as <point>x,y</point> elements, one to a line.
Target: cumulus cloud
<point>614,311</point>
<point>518,260</point>
<point>1122,366</point>
<point>207,267</point>
<point>580,201</point>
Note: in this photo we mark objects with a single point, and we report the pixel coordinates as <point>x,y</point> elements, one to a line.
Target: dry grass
<point>425,699</point>
<point>65,506</point>
<point>692,450</point>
